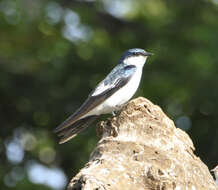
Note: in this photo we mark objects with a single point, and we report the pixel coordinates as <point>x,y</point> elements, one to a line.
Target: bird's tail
<point>70,132</point>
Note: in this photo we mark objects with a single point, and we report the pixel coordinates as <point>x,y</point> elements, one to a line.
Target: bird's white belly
<point>120,97</point>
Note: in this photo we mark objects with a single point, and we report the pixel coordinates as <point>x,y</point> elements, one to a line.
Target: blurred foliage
<point>52,53</point>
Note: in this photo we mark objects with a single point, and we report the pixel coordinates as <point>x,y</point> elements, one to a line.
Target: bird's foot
<point>118,109</point>
<point>116,112</point>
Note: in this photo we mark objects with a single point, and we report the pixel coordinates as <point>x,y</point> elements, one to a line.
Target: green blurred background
<point>52,54</point>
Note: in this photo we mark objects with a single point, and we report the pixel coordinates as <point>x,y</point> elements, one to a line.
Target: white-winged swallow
<point>109,95</point>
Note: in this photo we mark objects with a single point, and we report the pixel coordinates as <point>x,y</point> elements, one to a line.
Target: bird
<point>215,171</point>
<point>109,95</point>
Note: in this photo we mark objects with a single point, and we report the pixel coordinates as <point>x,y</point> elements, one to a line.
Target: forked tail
<point>70,132</point>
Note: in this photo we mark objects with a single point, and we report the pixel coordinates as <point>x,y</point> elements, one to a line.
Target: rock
<point>141,149</point>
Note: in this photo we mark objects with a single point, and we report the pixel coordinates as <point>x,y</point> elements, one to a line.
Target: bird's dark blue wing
<point>120,72</point>
<point>118,77</point>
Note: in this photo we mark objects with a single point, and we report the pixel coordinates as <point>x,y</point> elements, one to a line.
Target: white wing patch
<point>108,82</point>
<point>101,88</point>
<point>112,78</point>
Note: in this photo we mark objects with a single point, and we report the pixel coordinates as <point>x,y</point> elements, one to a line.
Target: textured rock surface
<point>141,148</point>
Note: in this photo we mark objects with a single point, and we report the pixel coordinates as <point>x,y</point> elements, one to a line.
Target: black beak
<point>148,54</point>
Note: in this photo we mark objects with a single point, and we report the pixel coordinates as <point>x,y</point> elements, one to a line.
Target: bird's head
<point>135,57</point>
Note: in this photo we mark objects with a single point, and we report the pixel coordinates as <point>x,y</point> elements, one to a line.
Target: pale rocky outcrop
<point>141,149</point>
